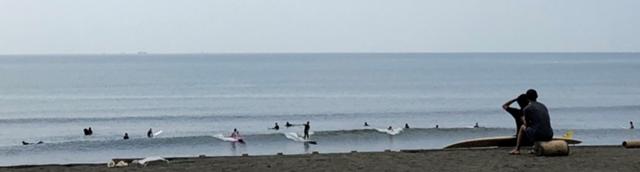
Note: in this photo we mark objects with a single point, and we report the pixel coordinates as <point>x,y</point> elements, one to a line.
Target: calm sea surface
<point>51,98</point>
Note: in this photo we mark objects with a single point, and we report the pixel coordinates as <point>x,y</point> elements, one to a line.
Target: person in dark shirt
<point>516,113</point>
<point>537,124</point>
<point>306,130</point>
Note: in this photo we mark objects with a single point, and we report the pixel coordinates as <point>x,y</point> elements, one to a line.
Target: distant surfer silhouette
<point>437,126</point>
<point>235,134</point>
<point>150,133</point>
<point>277,127</point>
<point>307,126</point>
<point>366,124</point>
<point>126,136</point>
<point>631,125</point>
<point>390,128</point>
<point>406,125</point>
<point>27,143</point>
<point>288,124</point>
<point>87,131</point>
<point>476,126</point>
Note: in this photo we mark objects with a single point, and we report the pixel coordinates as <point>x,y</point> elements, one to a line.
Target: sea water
<point>193,97</point>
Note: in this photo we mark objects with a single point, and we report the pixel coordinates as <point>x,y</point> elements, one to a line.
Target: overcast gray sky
<point>239,26</point>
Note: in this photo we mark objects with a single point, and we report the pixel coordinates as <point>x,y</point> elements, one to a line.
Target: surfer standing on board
<point>631,125</point>
<point>235,134</point>
<point>150,133</point>
<point>306,130</point>
<point>515,112</point>
<point>537,124</point>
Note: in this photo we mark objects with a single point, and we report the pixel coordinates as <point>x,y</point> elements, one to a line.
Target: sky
<point>298,26</point>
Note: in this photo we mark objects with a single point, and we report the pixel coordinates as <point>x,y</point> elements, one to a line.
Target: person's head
<point>235,129</point>
<point>532,95</point>
<point>307,122</point>
<point>522,100</point>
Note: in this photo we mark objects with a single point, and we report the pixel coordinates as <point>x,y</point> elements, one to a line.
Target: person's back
<point>537,118</point>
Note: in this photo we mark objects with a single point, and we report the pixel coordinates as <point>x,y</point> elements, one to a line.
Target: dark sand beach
<point>582,158</point>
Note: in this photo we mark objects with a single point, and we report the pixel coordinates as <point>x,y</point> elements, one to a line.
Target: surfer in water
<point>631,125</point>
<point>515,112</point>
<point>476,126</point>
<point>307,126</point>
<point>437,126</point>
<point>288,124</point>
<point>277,127</point>
<point>235,134</point>
<point>390,128</point>
<point>126,136</point>
<point>27,143</point>
<point>87,132</point>
<point>406,125</point>
<point>150,133</point>
<point>366,124</point>
<point>537,124</point>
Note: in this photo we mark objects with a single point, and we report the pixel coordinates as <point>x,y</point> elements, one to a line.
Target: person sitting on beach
<point>366,124</point>
<point>235,134</point>
<point>631,125</point>
<point>150,133</point>
<point>515,112</point>
<point>277,127</point>
<point>406,125</point>
<point>126,136</point>
<point>288,124</point>
<point>307,126</point>
<point>537,124</point>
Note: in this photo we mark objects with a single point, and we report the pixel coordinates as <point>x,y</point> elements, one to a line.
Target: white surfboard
<point>157,133</point>
<point>228,139</point>
<point>295,137</point>
<point>390,132</point>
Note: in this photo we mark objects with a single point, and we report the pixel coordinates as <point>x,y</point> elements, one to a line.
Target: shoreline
<point>581,158</point>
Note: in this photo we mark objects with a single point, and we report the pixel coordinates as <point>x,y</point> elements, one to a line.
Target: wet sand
<point>582,158</point>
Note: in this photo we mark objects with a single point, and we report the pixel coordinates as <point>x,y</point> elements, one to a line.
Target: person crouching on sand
<point>537,124</point>
<point>515,112</point>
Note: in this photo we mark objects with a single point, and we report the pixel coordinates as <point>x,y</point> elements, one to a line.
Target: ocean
<point>193,97</point>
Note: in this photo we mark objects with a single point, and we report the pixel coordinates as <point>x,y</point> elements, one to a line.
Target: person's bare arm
<point>508,103</point>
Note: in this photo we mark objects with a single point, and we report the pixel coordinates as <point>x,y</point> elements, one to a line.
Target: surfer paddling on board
<point>515,112</point>
<point>288,124</point>
<point>307,126</point>
<point>537,124</point>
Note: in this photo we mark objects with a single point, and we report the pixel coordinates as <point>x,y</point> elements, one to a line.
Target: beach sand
<point>582,158</point>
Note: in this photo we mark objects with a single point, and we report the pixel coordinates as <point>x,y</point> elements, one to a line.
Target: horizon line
<point>142,53</point>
